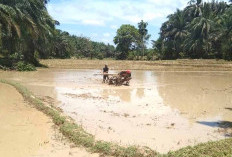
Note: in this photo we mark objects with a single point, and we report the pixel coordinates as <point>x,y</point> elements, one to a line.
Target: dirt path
<point>26,132</point>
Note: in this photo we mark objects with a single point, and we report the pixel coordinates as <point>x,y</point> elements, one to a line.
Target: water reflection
<point>140,92</point>
<point>123,94</point>
<point>158,109</point>
<point>197,95</point>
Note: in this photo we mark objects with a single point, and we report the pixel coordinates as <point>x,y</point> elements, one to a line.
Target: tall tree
<point>26,24</point>
<point>174,33</point>
<point>201,30</point>
<point>144,36</point>
<point>126,40</point>
<point>198,43</point>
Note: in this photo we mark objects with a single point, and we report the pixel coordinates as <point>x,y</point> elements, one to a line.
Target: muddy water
<point>162,110</point>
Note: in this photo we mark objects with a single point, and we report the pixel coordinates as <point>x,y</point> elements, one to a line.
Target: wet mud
<point>162,110</point>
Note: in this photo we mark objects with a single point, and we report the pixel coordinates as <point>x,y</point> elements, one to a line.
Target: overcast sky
<point>100,19</point>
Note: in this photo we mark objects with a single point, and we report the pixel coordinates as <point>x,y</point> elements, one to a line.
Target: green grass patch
<point>222,148</point>
<point>23,66</point>
<point>10,64</point>
<point>80,137</point>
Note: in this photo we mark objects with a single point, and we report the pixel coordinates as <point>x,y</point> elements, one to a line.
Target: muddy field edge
<point>80,137</point>
<point>159,65</point>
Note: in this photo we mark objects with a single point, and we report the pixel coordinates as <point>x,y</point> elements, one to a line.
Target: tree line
<point>28,32</point>
<point>200,30</point>
<point>25,27</point>
<point>65,45</point>
<point>131,41</point>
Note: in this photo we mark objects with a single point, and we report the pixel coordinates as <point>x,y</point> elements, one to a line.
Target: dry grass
<point>164,65</point>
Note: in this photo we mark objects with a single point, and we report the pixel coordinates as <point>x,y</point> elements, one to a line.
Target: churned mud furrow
<point>27,132</point>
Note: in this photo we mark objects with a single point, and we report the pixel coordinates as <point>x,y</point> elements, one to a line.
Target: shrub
<point>100,56</point>
<point>149,56</point>
<point>131,55</point>
<point>22,66</point>
<point>18,56</point>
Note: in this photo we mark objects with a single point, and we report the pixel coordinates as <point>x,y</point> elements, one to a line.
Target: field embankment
<point>27,132</point>
<point>160,65</point>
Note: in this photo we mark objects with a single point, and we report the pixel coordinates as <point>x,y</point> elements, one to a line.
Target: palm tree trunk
<point>143,49</point>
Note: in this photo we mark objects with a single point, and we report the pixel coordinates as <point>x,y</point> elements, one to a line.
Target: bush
<point>131,56</point>
<point>4,68</point>
<point>5,62</point>
<point>100,56</point>
<point>18,56</point>
<point>149,56</point>
<point>22,66</point>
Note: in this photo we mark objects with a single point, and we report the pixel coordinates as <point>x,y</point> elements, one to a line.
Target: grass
<point>80,137</point>
<point>222,148</point>
<point>10,64</point>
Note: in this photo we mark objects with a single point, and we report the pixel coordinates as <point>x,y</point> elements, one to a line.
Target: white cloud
<point>93,22</point>
<point>71,12</point>
<point>99,19</point>
<point>100,12</point>
<point>106,35</point>
<point>106,41</point>
<point>94,35</point>
<point>114,27</point>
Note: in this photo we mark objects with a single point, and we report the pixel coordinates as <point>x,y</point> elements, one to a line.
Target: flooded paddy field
<point>160,109</point>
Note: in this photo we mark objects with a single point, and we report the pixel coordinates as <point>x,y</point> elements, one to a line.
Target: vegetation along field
<point>177,101</point>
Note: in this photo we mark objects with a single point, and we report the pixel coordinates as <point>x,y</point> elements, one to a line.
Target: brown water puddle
<point>26,132</point>
<point>162,110</point>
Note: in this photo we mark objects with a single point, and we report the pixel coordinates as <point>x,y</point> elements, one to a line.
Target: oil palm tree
<point>198,42</point>
<point>224,34</point>
<point>23,24</point>
<point>173,32</point>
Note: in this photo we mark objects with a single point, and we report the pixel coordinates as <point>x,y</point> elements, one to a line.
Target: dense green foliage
<point>201,30</point>
<point>144,36</point>
<point>126,40</point>
<point>131,41</point>
<point>22,66</point>
<point>27,32</point>
<point>25,26</point>
<point>64,45</point>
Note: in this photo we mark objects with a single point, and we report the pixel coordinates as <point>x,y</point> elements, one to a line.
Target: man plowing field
<point>119,79</point>
<point>105,73</point>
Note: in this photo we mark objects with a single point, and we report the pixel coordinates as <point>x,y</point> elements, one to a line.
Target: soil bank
<point>26,132</point>
<point>159,65</point>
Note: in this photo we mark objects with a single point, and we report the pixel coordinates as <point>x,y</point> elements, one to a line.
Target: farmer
<point>105,73</point>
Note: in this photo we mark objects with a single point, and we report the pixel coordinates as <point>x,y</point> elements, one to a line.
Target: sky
<point>100,19</point>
